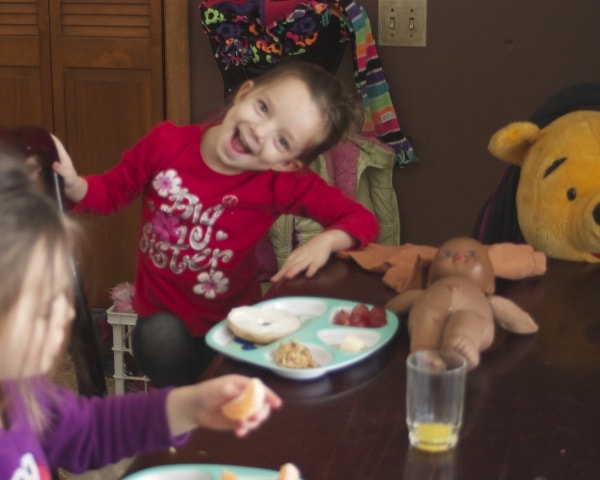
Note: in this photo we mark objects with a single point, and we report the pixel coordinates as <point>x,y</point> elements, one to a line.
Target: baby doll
<point>457,309</point>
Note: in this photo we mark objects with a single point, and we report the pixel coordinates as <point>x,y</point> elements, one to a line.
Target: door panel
<point>92,72</point>
<point>107,70</point>
<point>25,80</point>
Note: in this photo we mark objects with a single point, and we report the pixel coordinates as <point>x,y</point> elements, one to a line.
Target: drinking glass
<point>435,391</point>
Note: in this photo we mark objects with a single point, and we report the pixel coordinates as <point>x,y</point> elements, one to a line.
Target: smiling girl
<point>210,192</point>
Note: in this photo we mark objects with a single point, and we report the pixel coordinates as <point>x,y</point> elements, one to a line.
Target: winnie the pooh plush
<point>558,194</point>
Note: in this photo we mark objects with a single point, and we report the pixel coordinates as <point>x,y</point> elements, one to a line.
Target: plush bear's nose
<point>596,214</point>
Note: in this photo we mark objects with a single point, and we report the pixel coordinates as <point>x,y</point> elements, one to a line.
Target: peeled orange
<point>229,475</point>
<point>288,471</point>
<point>246,403</point>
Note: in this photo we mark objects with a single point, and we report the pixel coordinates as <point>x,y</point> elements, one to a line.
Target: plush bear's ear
<point>511,143</point>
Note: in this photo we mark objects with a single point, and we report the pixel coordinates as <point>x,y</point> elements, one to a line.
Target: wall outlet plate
<point>403,23</point>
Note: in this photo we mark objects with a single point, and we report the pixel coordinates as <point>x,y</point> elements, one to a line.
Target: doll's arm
<point>403,302</point>
<point>514,261</point>
<point>510,316</point>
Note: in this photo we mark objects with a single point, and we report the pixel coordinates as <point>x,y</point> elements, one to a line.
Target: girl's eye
<point>262,106</point>
<point>471,253</point>
<point>284,142</point>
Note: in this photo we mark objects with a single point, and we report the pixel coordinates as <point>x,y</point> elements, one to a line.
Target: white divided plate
<point>317,332</point>
<point>201,472</point>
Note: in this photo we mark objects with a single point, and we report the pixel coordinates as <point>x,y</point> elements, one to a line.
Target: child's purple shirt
<point>84,433</point>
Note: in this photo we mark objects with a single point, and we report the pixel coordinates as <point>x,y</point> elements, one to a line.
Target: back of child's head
<point>27,214</point>
<point>29,222</point>
<point>35,238</point>
<point>341,109</point>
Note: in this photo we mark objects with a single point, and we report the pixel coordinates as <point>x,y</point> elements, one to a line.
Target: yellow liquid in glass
<point>433,437</point>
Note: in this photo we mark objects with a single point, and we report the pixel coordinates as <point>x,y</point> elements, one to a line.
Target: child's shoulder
<point>304,176</point>
<point>168,128</point>
<point>297,184</point>
<point>166,136</point>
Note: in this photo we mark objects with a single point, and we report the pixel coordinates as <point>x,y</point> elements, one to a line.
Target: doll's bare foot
<point>466,348</point>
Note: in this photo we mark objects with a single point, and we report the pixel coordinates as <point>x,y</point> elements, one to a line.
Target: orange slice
<point>229,475</point>
<point>246,403</point>
<point>288,471</point>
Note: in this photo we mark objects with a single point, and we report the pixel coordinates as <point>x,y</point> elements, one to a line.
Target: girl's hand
<point>314,254</point>
<point>200,405</point>
<point>75,186</point>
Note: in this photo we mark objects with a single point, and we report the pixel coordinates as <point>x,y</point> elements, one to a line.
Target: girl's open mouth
<point>238,145</point>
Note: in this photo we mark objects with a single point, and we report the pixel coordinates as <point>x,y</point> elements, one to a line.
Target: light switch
<point>403,23</point>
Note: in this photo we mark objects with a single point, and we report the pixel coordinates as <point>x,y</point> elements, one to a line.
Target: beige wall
<point>486,63</point>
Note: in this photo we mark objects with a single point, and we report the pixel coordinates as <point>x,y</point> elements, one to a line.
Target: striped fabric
<point>315,30</point>
<point>381,121</point>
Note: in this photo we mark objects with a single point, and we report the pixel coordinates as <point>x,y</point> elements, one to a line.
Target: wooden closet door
<point>108,91</point>
<point>25,80</point>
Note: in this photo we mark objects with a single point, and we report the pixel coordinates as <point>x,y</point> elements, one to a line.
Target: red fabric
<point>270,10</point>
<point>342,167</point>
<point>278,9</point>
<point>199,228</point>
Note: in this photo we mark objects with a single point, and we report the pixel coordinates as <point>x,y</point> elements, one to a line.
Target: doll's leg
<point>469,333</point>
<point>425,328</point>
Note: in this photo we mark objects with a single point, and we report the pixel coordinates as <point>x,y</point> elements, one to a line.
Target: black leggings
<point>166,353</point>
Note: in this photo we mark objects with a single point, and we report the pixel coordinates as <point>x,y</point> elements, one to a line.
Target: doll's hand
<point>200,405</point>
<point>75,186</point>
<point>313,254</point>
<point>515,261</point>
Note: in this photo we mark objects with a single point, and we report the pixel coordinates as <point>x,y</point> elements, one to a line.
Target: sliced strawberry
<point>341,317</point>
<point>377,317</point>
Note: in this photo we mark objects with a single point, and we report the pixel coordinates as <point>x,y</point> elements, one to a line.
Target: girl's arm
<point>91,432</point>
<point>348,224</point>
<point>313,254</point>
<point>200,405</point>
<point>109,191</point>
<point>75,186</point>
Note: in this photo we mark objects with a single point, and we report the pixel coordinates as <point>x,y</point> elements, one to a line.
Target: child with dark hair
<point>210,192</point>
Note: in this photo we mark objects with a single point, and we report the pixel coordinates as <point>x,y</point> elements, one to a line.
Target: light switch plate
<point>403,23</point>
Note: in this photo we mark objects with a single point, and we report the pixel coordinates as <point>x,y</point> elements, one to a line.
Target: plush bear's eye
<point>555,164</point>
<point>571,194</point>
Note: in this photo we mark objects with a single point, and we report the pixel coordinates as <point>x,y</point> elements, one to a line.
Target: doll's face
<point>464,257</point>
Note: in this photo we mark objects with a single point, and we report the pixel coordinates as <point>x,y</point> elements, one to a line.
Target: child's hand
<point>75,186</point>
<point>200,405</point>
<point>313,254</point>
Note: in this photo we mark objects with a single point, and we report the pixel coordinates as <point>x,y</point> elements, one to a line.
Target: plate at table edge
<point>315,314</point>
<point>208,471</point>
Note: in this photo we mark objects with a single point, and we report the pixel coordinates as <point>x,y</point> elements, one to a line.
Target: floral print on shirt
<point>183,232</point>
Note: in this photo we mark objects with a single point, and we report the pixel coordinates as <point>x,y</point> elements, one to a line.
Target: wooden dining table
<point>532,407</point>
